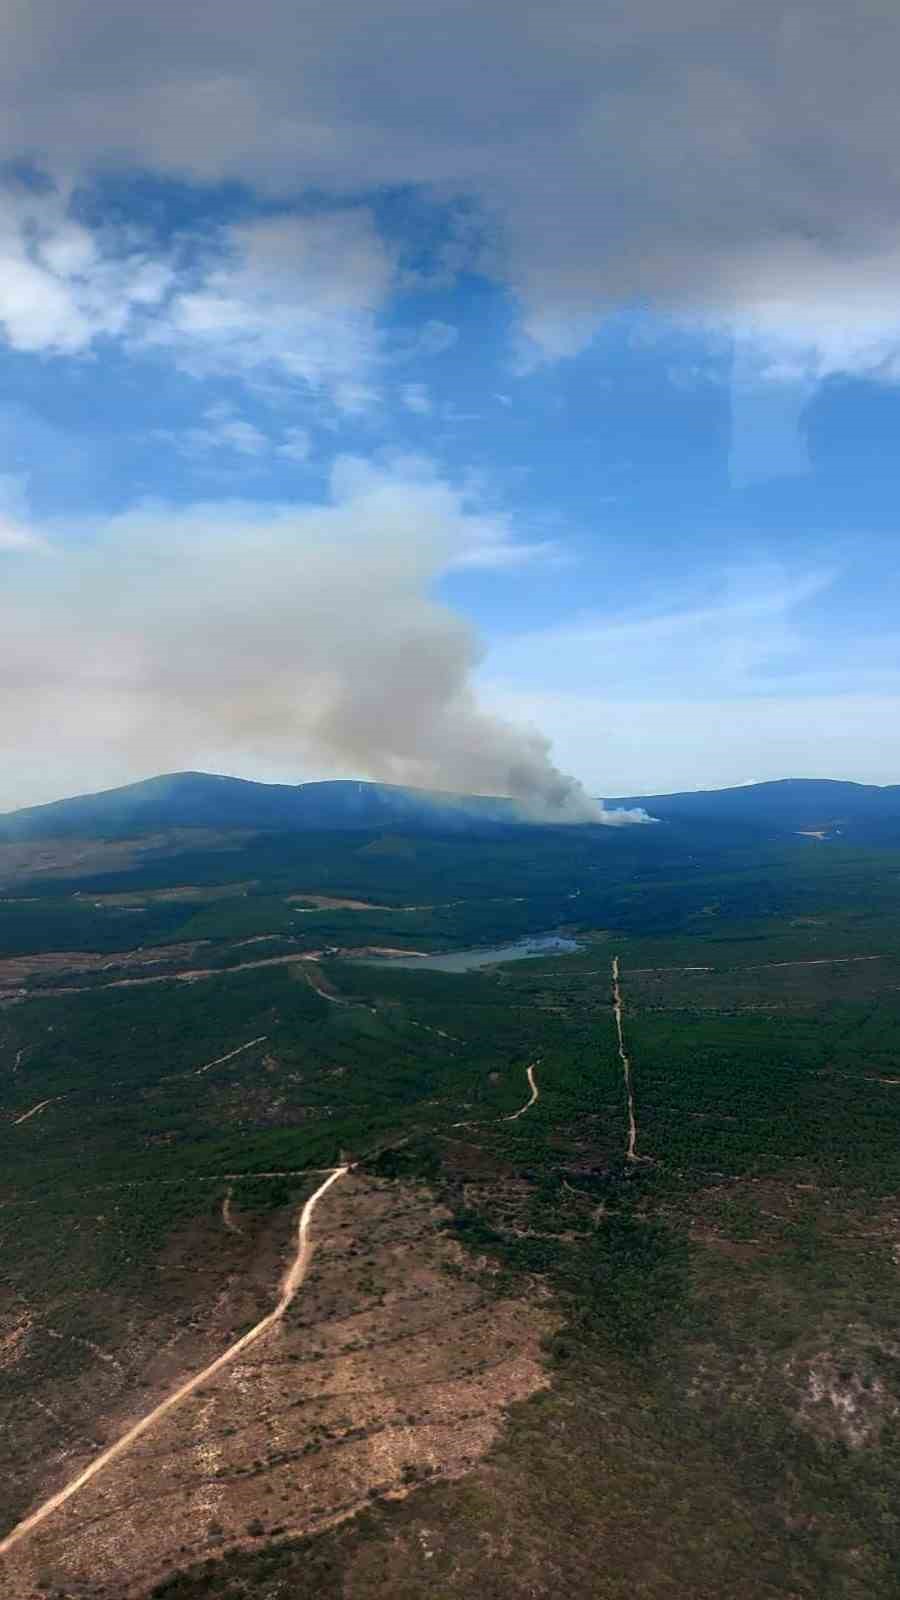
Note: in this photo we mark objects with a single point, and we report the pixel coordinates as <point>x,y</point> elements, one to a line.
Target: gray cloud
<point>293,636</point>
<point>707,154</point>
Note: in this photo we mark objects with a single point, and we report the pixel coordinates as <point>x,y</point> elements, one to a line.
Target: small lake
<point>550,944</point>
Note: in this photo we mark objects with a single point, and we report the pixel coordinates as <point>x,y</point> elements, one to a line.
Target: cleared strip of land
<point>764,966</point>
<point>631,1151</point>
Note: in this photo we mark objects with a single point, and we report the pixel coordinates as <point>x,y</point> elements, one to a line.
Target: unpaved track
<point>227,1218</point>
<point>317,984</point>
<point>535,1095</point>
<point>514,1116</point>
<point>765,966</point>
<point>820,961</point>
<point>631,1152</point>
<point>41,1106</point>
<point>190,975</point>
<point>290,1284</point>
<point>231,1054</point>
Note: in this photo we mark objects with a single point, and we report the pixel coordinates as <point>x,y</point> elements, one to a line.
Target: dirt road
<point>41,1106</point>
<point>190,975</point>
<point>227,1218</point>
<point>631,1152</point>
<point>514,1116</point>
<point>290,1284</point>
<point>535,1095</point>
<point>765,966</point>
<point>231,1054</point>
<point>317,984</point>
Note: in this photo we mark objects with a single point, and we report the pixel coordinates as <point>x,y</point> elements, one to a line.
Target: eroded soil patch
<point>394,1366</point>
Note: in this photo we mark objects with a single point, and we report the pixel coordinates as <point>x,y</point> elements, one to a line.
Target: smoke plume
<point>294,640</point>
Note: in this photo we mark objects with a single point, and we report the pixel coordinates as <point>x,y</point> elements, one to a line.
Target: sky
<point>412,392</point>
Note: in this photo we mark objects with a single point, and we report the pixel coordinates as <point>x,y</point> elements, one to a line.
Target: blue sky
<point>596,371</point>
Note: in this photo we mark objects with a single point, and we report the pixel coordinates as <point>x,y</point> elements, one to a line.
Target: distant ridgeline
<point>201,800</point>
<point>817,807</point>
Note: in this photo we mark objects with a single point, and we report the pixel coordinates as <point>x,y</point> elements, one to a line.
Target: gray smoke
<point>286,640</point>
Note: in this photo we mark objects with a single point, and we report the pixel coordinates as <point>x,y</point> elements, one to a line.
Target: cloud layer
<point>704,156</point>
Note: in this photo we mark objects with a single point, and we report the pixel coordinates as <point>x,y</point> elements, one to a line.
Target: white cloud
<point>743,670</point>
<point>221,432</point>
<point>61,287</point>
<point>243,437</point>
<point>15,532</point>
<point>816,314</point>
<point>826,317</point>
<point>742,629</point>
<point>296,445</point>
<point>416,398</point>
<point>665,744</point>
<point>285,299</point>
<point>491,548</point>
<point>14,537</point>
<point>295,297</point>
<point>432,339</point>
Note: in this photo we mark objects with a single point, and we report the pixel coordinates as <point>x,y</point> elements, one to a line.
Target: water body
<point>550,944</point>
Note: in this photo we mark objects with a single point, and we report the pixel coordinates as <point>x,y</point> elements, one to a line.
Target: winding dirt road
<point>631,1152</point>
<point>290,1284</point>
<point>317,984</point>
<point>514,1116</point>
<point>535,1095</point>
<point>227,1218</point>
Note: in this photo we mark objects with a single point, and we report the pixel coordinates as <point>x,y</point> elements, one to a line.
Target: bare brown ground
<point>201,894</point>
<point>76,858</point>
<point>384,950</point>
<point>328,902</point>
<point>16,970</point>
<point>59,1403</point>
<point>387,1368</point>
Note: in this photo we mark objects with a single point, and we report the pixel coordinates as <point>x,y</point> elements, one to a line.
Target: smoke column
<point>307,637</point>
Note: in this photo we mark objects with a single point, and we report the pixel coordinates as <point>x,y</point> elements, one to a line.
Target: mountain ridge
<point>210,800</point>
